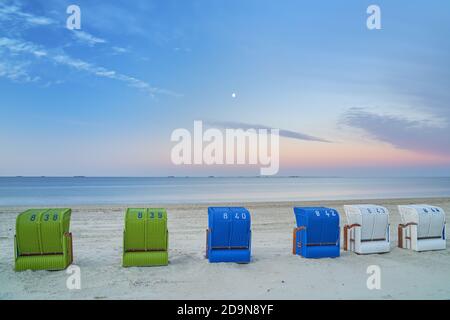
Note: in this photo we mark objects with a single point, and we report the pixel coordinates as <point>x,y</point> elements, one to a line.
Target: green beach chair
<point>43,240</point>
<point>145,238</point>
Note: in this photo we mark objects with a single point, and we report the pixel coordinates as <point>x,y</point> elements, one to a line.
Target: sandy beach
<point>273,274</point>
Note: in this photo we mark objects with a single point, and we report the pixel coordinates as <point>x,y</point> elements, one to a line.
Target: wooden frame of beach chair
<point>349,236</point>
<point>405,232</point>
<point>296,244</point>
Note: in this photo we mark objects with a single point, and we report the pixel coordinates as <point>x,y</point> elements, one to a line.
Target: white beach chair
<point>422,228</point>
<point>367,230</point>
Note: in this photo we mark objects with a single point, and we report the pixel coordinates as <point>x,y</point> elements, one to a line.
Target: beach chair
<point>317,232</point>
<point>422,228</point>
<point>228,237</point>
<point>43,240</point>
<point>367,230</point>
<point>145,238</point>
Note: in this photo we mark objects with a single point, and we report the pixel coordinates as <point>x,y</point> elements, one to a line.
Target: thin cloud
<point>19,46</point>
<point>25,47</point>
<point>81,65</point>
<point>87,38</point>
<point>17,72</point>
<point>120,50</point>
<point>283,133</point>
<point>417,135</point>
<point>13,11</point>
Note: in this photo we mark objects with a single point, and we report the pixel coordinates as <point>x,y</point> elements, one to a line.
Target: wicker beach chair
<point>367,230</point>
<point>317,232</point>
<point>43,240</point>
<point>145,238</point>
<point>228,237</point>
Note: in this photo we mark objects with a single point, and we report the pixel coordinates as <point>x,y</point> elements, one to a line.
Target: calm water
<point>71,191</point>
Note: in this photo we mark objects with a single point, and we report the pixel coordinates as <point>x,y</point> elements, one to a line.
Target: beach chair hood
<point>322,224</point>
<point>430,220</point>
<point>317,233</point>
<point>230,226</point>
<point>373,220</point>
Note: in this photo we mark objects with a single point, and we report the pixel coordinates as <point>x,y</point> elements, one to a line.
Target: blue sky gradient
<point>103,101</point>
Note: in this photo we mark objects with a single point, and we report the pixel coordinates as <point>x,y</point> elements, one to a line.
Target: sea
<point>56,191</point>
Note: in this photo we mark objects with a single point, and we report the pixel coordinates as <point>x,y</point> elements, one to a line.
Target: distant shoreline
<point>250,204</point>
<point>37,191</point>
<point>227,177</point>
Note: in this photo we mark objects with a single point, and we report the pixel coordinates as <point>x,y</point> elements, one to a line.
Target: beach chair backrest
<point>219,220</point>
<point>156,229</point>
<point>40,231</point>
<point>373,220</point>
<point>53,227</point>
<point>135,228</point>
<point>321,224</point>
<point>230,227</point>
<point>239,234</point>
<point>437,221</point>
<point>430,220</point>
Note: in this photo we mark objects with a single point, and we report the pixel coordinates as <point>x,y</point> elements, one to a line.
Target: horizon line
<point>214,176</point>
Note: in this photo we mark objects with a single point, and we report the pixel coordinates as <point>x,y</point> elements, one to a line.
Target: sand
<point>273,274</point>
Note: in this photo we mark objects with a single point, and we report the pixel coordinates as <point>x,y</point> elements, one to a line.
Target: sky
<point>104,100</point>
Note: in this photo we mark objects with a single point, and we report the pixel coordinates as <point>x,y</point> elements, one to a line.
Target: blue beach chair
<point>317,232</point>
<point>228,238</point>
